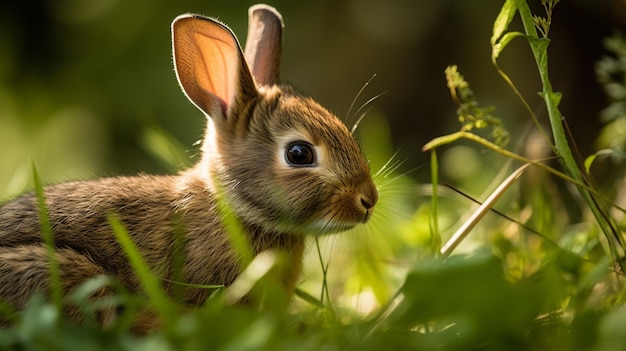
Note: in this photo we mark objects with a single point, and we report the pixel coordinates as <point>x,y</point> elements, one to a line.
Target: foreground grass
<point>465,302</point>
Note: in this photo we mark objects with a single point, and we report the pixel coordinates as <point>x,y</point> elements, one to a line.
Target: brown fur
<point>242,163</point>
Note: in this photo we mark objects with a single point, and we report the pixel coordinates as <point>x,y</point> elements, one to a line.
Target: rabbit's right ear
<point>210,66</point>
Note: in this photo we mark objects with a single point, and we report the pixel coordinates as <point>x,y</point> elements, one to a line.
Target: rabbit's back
<point>78,213</point>
<point>155,210</point>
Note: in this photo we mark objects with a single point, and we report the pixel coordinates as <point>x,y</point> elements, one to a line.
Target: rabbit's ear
<point>210,65</point>
<point>263,46</point>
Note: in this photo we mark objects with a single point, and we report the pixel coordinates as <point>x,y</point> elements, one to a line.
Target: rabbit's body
<point>282,163</point>
<point>148,206</point>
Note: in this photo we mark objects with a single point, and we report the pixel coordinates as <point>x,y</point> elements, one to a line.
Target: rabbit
<point>284,165</point>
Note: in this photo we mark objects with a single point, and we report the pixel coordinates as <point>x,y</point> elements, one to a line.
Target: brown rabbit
<point>284,165</point>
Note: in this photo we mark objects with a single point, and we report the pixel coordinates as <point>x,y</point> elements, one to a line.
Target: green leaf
<point>556,97</point>
<point>610,152</point>
<point>452,293</point>
<point>503,20</point>
<point>540,50</point>
<point>497,48</point>
<point>553,96</point>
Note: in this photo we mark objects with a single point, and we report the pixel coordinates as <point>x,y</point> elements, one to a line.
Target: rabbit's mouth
<point>330,227</point>
<point>336,222</point>
<point>368,215</point>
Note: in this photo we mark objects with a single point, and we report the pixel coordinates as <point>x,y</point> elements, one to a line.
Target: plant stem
<point>598,208</point>
<point>435,235</point>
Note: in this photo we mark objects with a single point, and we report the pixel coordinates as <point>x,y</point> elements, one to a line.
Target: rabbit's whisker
<point>356,124</point>
<point>390,166</point>
<point>358,95</point>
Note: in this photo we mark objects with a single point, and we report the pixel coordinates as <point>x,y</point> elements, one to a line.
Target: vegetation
<point>537,265</point>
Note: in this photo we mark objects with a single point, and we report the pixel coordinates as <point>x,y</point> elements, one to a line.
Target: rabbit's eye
<point>300,153</point>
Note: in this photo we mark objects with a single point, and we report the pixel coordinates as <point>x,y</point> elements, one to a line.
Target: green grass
<point>530,268</point>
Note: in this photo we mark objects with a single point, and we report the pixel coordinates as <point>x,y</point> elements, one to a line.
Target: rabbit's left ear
<point>264,43</point>
<point>210,67</point>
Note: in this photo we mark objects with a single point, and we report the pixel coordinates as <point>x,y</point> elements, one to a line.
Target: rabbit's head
<point>282,162</point>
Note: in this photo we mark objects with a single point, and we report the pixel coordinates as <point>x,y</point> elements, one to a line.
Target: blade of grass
<point>308,298</point>
<point>236,233</point>
<point>324,266</point>
<point>484,208</point>
<point>48,240</point>
<point>255,271</point>
<point>147,279</point>
<point>435,235</point>
<point>178,259</point>
<point>504,215</point>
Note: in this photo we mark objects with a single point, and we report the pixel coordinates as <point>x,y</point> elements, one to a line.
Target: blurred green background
<point>87,88</point>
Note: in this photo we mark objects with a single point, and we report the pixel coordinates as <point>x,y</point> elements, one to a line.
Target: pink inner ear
<point>207,62</point>
<point>216,68</point>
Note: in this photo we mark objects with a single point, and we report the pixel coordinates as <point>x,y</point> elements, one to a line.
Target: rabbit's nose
<point>368,198</point>
<point>367,203</point>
